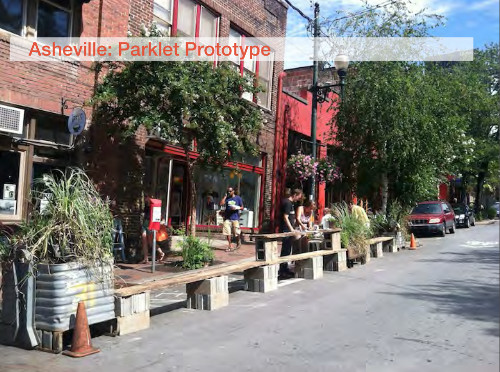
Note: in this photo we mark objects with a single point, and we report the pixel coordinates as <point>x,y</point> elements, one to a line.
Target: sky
<point>464,18</point>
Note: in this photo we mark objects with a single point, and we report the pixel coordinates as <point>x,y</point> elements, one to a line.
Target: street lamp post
<point>320,93</point>
<point>314,106</point>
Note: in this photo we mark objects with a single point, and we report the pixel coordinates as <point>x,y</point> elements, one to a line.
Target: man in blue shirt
<point>231,224</point>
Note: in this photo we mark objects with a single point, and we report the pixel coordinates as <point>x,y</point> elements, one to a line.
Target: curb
<point>489,222</point>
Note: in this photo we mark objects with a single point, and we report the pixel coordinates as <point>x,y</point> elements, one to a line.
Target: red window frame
<point>175,13</point>
<point>260,170</point>
<point>256,73</point>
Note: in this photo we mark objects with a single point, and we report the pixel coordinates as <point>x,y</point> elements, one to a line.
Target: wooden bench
<point>375,248</point>
<point>207,288</point>
<point>382,244</point>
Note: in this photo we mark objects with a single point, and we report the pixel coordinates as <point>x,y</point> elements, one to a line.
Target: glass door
<point>178,195</point>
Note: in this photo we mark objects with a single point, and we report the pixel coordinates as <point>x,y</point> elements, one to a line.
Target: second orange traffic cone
<point>413,243</point>
<point>81,345</point>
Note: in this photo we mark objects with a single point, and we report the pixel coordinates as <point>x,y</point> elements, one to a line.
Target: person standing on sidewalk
<point>287,212</point>
<point>231,226</point>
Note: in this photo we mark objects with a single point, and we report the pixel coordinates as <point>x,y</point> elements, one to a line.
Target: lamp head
<point>341,62</point>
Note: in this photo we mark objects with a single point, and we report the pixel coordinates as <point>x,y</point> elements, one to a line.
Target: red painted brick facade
<point>295,115</point>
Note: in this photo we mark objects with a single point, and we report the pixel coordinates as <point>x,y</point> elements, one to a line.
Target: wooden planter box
<point>353,256</point>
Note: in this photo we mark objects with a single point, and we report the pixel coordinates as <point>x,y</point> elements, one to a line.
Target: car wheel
<point>467,223</point>
<point>452,228</point>
<point>443,230</point>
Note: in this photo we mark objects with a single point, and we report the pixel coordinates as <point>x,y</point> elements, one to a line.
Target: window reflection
<point>11,15</point>
<point>211,188</point>
<point>53,21</point>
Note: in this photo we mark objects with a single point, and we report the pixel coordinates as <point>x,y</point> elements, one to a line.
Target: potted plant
<point>354,235</point>
<point>196,253</point>
<point>67,241</point>
<point>327,171</point>
<point>393,224</point>
<point>301,167</point>
<point>175,238</point>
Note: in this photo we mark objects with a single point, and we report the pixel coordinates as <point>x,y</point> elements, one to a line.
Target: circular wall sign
<point>76,121</point>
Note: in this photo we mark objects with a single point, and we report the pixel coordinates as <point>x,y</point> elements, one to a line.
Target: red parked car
<point>432,217</point>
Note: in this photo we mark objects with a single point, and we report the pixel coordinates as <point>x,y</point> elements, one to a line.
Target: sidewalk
<point>486,222</point>
<point>133,274</point>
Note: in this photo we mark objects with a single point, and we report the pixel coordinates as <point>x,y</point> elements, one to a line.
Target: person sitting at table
<point>306,222</point>
<point>326,220</point>
<point>305,215</point>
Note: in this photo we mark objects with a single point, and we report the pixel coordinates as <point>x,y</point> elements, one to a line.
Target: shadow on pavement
<point>470,299</point>
<point>477,256</point>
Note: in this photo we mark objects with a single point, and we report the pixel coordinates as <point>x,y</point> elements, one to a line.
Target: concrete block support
<point>208,294</point>
<point>390,246</point>
<point>336,261</point>
<point>336,241</point>
<point>261,279</point>
<point>332,241</point>
<point>266,250</point>
<point>367,255</point>
<point>132,312</point>
<point>376,250</point>
<point>311,268</point>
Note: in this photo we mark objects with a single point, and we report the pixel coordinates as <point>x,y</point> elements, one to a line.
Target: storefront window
<point>10,166</point>
<point>178,195</point>
<point>161,188</point>
<point>211,187</point>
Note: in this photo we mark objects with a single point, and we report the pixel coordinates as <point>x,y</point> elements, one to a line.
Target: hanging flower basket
<point>327,171</point>
<point>301,167</point>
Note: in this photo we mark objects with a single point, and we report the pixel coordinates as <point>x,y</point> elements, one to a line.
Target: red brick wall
<point>118,167</point>
<point>259,18</point>
<point>42,85</point>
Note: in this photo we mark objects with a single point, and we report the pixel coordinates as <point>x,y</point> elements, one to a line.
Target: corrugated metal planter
<point>17,319</point>
<point>59,288</point>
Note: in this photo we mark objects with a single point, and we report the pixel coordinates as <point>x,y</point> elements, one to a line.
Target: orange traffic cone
<point>413,243</point>
<point>81,345</point>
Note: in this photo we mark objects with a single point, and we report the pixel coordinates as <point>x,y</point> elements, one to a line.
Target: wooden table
<point>266,245</point>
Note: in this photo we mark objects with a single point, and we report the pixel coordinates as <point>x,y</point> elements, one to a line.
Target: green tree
<point>191,104</point>
<point>398,123</point>
<point>478,104</point>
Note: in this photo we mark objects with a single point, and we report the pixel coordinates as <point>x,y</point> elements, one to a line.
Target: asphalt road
<point>434,309</point>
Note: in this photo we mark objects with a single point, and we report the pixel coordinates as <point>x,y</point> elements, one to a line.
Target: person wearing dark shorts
<point>287,221</point>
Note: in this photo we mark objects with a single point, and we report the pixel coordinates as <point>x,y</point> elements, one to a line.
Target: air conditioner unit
<point>11,119</point>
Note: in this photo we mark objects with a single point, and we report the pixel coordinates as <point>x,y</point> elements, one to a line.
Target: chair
<point>118,241</point>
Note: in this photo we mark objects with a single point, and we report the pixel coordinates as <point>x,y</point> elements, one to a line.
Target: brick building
<point>293,131</point>
<point>36,98</point>
<point>40,96</point>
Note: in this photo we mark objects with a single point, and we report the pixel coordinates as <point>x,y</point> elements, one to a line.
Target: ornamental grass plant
<point>69,222</point>
<point>355,233</point>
